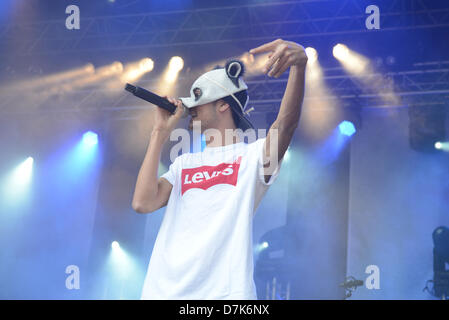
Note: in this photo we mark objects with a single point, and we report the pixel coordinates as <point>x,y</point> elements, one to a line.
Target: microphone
<point>153,98</point>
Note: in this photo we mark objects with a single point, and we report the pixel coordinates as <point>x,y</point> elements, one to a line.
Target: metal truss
<point>247,22</point>
<point>424,84</point>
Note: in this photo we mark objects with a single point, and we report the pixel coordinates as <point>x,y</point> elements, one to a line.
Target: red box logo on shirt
<point>207,176</point>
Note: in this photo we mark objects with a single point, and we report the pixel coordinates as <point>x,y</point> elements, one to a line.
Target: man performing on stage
<point>204,246</point>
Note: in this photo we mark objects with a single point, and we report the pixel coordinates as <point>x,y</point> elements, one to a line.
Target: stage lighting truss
<point>417,84</point>
<point>294,20</point>
<point>420,85</point>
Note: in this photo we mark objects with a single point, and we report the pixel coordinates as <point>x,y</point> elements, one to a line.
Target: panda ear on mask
<point>234,70</point>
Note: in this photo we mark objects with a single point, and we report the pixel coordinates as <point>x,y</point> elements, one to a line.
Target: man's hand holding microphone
<point>165,121</point>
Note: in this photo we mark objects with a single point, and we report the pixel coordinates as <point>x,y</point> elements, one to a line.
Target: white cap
<point>217,84</point>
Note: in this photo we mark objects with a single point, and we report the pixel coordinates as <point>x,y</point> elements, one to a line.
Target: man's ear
<point>223,106</point>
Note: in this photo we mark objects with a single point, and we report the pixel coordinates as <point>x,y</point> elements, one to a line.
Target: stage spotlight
<point>175,65</point>
<point>312,55</point>
<point>99,76</point>
<point>135,70</point>
<point>117,67</point>
<point>261,246</point>
<point>146,65</point>
<point>55,81</point>
<point>340,51</point>
<point>119,261</point>
<point>443,146</point>
<point>352,61</point>
<point>361,67</point>
<point>346,128</point>
<point>317,98</point>
<point>287,154</point>
<point>29,161</point>
<point>90,138</point>
<point>123,273</point>
<point>115,245</point>
<point>22,174</point>
<point>16,184</point>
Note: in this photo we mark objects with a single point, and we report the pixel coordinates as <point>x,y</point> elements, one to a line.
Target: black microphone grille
<point>130,88</point>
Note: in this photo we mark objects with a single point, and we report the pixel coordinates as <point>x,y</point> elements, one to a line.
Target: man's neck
<point>227,136</point>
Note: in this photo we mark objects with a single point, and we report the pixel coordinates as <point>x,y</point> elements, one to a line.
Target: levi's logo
<point>207,176</point>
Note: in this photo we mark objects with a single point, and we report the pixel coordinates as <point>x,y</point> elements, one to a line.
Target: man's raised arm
<point>284,55</point>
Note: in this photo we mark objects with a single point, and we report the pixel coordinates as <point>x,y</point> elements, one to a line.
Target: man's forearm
<point>147,180</point>
<point>287,120</point>
<point>289,113</point>
<point>291,105</point>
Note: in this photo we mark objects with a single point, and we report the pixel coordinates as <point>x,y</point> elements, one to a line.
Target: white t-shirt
<point>204,246</point>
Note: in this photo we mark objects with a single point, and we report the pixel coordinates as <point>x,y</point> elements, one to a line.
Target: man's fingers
<point>265,47</point>
<point>276,55</point>
<point>282,67</point>
<point>278,65</point>
<point>179,104</point>
<point>179,109</point>
<point>171,100</point>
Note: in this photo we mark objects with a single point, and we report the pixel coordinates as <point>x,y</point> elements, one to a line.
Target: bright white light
<point>120,262</point>
<point>135,70</point>
<point>442,145</point>
<point>16,185</point>
<point>117,67</point>
<point>340,51</point>
<point>260,247</point>
<point>132,75</point>
<point>352,61</point>
<point>22,174</point>
<point>312,55</point>
<point>176,64</point>
<point>146,65</point>
<point>90,138</point>
<point>115,245</point>
<point>89,68</point>
<point>287,155</point>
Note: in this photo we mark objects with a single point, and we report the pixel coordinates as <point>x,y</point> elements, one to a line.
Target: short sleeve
<point>259,153</point>
<point>172,172</point>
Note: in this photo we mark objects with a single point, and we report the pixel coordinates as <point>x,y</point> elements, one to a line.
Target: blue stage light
<point>115,245</point>
<point>287,154</point>
<point>346,128</point>
<point>90,138</point>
